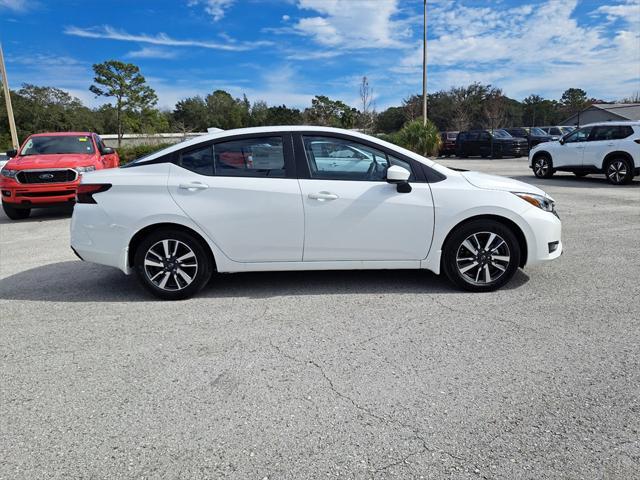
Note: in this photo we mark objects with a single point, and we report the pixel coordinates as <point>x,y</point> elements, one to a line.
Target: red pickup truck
<point>45,172</point>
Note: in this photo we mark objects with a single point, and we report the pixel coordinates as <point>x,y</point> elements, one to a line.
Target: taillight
<point>85,192</point>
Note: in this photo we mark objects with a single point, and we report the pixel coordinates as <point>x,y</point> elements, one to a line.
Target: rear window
<point>57,144</point>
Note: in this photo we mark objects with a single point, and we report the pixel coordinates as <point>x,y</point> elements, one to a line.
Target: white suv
<point>612,148</point>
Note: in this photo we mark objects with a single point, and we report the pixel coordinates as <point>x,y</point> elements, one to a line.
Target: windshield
<point>58,144</point>
<point>501,134</point>
<point>567,129</point>
<point>538,132</point>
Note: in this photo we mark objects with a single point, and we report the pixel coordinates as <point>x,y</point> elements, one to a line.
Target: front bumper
<point>37,195</point>
<point>544,240</point>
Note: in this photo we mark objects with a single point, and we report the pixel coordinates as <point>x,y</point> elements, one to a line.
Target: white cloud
<point>215,8</point>
<point>152,52</point>
<point>15,5</point>
<point>528,50</point>
<point>353,24</point>
<point>111,33</point>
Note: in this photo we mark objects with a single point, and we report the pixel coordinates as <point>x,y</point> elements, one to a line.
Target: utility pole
<point>424,68</point>
<point>7,101</point>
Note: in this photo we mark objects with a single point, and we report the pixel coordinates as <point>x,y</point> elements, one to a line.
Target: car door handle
<point>193,186</point>
<point>323,196</point>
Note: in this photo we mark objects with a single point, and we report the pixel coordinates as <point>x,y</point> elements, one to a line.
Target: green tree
<point>224,111</point>
<point>420,138</point>
<point>125,83</point>
<point>331,113</point>
<point>574,100</point>
<point>190,115</point>
<point>282,115</point>
<point>391,120</point>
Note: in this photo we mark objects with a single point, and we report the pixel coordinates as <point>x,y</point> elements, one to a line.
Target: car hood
<point>494,182</point>
<point>50,161</point>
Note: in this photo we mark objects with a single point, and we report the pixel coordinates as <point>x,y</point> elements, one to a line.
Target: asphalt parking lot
<point>328,374</point>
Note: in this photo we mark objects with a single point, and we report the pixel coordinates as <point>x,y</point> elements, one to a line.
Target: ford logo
<point>45,176</point>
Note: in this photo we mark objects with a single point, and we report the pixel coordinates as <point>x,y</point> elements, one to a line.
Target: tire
<point>543,166</point>
<point>172,264</point>
<point>580,174</point>
<point>619,171</point>
<point>15,213</point>
<point>458,258</point>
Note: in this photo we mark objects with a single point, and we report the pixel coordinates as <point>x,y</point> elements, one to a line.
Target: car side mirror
<point>561,140</point>
<point>12,153</point>
<point>107,151</point>
<point>399,176</point>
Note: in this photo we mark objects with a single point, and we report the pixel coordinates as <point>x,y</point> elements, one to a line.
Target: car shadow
<point>40,215</point>
<point>76,281</point>
<point>591,181</point>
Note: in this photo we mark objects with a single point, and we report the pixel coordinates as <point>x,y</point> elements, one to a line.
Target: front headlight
<point>9,173</point>
<point>544,203</point>
<point>89,168</point>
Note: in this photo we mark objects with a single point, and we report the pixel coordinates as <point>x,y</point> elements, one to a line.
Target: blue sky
<point>286,51</point>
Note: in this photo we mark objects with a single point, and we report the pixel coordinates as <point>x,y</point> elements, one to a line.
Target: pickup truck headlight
<point>544,203</point>
<point>89,168</point>
<point>9,173</point>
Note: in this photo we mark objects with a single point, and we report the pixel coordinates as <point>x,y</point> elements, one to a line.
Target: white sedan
<point>306,198</point>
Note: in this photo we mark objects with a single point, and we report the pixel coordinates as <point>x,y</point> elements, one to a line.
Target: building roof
<point>622,111</point>
<point>630,111</point>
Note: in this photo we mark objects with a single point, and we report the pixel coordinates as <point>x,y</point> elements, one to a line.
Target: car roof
<point>280,129</point>
<point>620,123</point>
<point>61,134</point>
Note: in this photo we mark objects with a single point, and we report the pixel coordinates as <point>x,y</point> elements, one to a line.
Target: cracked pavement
<point>364,375</point>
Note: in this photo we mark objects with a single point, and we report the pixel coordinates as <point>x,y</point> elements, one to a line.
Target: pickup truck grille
<point>47,176</point>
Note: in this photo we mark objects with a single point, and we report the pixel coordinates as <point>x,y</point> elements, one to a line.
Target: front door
<point>238,192</point>
<point>571,153</point>
<point>352,213</point>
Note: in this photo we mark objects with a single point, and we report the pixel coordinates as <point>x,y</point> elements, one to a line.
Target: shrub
<point>422,139</point>
<point>128,154</point>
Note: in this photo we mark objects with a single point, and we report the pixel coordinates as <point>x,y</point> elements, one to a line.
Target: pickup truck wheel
<point>543,166</point>
<point>619,171</point>
<point>172,264</point>
<point>481,256</point>
<point>15,213</point>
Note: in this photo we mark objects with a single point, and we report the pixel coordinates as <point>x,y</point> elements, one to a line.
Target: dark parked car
<point>558,131</point>
<point>485,143</point>
<point>448,143</point>
<point>533,135</point>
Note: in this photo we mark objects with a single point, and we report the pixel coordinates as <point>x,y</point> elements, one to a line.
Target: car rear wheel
<point>543,166</point>
<point>15,213</point>
<point>481,256</point>
<point>619,171</point>
<point>172,264</point>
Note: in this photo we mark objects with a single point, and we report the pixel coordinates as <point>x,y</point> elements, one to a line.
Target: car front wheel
<point>172,264</point>
<point>619,171</point>
<point>481,256</point>
<point>542,166</point>
<point>15,213</point>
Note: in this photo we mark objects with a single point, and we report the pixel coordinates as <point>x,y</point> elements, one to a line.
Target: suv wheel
<point>543,166</point>
<point>15,213</point>
<point>619,171</point>
<point>481,256</point>
<point>172,264</point>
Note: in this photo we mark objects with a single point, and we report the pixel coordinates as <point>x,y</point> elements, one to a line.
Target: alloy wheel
<point>617,171</point>
<point>541,167</point>
<point>482,258</point>
<point>170,265</point>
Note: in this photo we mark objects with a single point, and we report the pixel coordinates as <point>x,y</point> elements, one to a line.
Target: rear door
<point>243,193</point>
<point>604,139</point>
<point>351,212</point>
